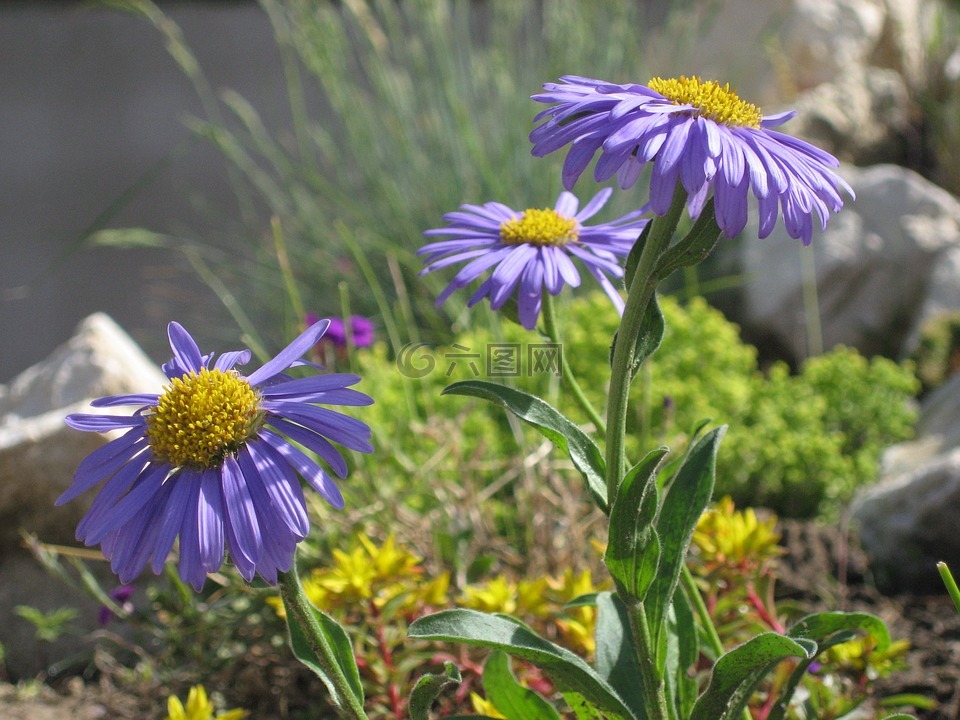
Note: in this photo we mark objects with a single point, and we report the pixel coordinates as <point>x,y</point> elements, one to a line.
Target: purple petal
<point>229,360</point>
<point>186,354</point>
<point>102,423</point>
<point>286,497</point>
<point>246,540</point>
<point>292,352</point>
<point>308,469</point>
<point>210,521</point>
<point>143,400</point>
<point>184,489</point>
<point>312,441</point>
<point>104,462</point>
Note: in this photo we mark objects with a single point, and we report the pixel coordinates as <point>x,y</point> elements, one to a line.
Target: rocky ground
<point>822,570</point>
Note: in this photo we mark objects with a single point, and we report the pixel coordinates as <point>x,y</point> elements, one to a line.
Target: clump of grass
<point>400,112</point>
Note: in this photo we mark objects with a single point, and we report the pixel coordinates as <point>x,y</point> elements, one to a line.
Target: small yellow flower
<point>570,586</point>
<point>577,627</point>
<point>726,536</point>
<point>861,655</point>
<point>532,597</point>
<point>198,707</point>
<point>482,706</point>
<point>498,595</point>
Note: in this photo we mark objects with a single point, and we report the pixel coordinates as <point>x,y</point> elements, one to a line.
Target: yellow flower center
<point>539,227</point>
<point>715,101</point>
<point>202,417</point>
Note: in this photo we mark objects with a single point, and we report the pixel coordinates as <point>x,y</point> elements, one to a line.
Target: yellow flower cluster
<point>374,573</point>
<point>733,538</point>
<point>198,707</point>
<point>543,599</point>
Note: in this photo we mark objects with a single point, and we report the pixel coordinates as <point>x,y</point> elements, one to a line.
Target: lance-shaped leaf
<point>683,650</point>
<point>515,701</point>
<point>651,334</point>
<point>633,550</point>
<point>616,661</point>
<point>583,709</point>
<point>552,425</point>
<point>568,671</point>
<point>653,324</point>
<point>695,247</point>
<point>685,502</point>
<point>737,673</point>
<point>428,689</point>
<point>826,630</point>
<point>337,638</point>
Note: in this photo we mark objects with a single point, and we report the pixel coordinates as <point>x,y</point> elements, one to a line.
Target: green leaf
<point>682,507</point>
<point>633,259</point>
<point>899,716</point>
<point>583,709</point>
<point>633,550</point>
<point>832,628</point>
<point>552,425</point>
<point>651,334</point>
<point>585,600</point>
<point>339,642</point>
<point>694,247</point>
<point>738,672</point>
<point>133,237</point>
<point>568,671</point>
<point>428,689</point>
<point>510,697</point>
<point>826,629</point>
<point>615,658</point>
<point>683,650</point>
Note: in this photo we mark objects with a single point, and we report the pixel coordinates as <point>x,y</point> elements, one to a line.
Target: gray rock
<point>907,521</point>
<point>38,452</point>
<point>38,456</point>
<point>861,116</point>
<point>885,263</point>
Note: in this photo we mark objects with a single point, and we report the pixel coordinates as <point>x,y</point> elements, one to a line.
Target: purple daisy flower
<point>699,132</point>
<point>216,459</point>
<point>121,596</point>
<point>361,328</point>
<point>531,250</point>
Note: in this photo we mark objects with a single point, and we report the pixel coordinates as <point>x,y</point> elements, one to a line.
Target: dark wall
<point>91,122</point>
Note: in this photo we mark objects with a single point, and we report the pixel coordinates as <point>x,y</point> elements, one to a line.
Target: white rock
<point>907,521</point>
<point>821,38</point>
<point>38,452</point>
<point>876,266</point>
<point>861,114</point>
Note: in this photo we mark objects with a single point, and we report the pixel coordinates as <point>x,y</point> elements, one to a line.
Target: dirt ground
<point>822,570</point>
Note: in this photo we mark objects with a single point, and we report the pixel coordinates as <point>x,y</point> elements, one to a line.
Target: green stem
<point>713,638</point>
<point>297,603</point>
<point>567,376</point>
<point>951,584</point>
<point>641,289</point>
<point>693,593</point>
<point>654,689</point>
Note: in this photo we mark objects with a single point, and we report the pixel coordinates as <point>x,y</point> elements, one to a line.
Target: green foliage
<point>400,113</point>
<point>798,443</point>
<point>48,626</point>
<point>938,353</point>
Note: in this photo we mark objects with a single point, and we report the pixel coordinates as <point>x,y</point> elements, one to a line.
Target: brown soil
<point>825,570</point>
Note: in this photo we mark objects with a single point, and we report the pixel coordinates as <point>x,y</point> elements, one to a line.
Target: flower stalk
<point>639,293</point>
<point>298,605</point>
<point>566,373</point>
